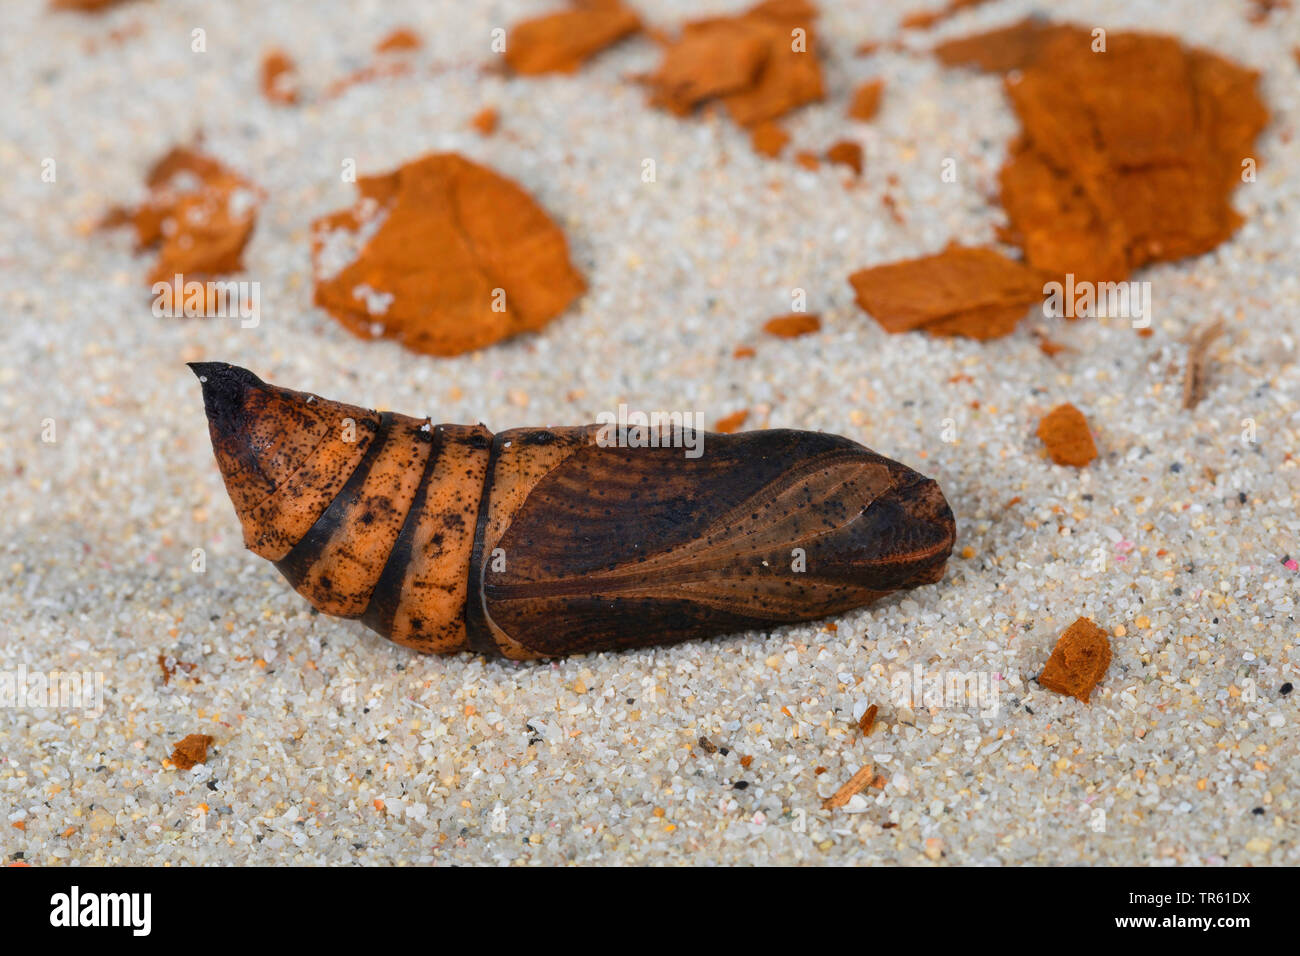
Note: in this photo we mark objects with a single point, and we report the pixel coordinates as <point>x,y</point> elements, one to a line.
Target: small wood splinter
<point>540,542</point>
<point>1198,360</point>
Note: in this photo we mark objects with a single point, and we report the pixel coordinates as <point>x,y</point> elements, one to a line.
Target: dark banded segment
<point>339,561</point>
<point>477,633</point>
<point>297,564</point>
<point>283,518</point>
<point>428,612</point>
<point>521,457</point>
<point>379,613</point>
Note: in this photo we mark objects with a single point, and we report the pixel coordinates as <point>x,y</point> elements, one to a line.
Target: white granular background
<point>334,746</point>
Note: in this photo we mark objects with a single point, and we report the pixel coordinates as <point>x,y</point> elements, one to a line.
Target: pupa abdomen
<point>540,542</point>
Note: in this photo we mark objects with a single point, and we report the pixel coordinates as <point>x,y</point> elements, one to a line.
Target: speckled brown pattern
<point>540,542</point>
<point>624,547</point>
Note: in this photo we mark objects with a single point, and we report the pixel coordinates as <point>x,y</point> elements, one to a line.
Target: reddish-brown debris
<point>1065,433</point>
<point>562,42</point>
<point>1078,662</point>
<point>968,291</point>
<point>443,255</point>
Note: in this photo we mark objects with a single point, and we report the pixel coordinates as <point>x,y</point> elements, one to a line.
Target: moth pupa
<point>541,542</point>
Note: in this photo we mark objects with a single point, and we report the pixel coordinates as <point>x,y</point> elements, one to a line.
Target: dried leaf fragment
<point>199,214</point>
<point>1013,47</point>
<point>191,751</point>
<point>793,325</point>
<point>1078,662</point>
<point>1065,432</point>
<point>1127,156</point>
<point>443,255</point>
<point>561,42</point>
<point>760,64</point>
<point>970,291</point>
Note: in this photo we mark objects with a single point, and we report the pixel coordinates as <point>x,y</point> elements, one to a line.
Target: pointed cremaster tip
<point>224,389</point>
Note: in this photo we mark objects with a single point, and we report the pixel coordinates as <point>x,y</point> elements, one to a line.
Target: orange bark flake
<point>769,139</point>
<point>793,325</point>
<point>1065,432</point>
<point>443,255</point>
<point>868,720</point>
<point>1014,47</point>
<point>925,19</point>
<point>1078,662</point>
<point>199,215</point>
<point>85,6</point>
<point>846,153</point>
<point>808,160</point>
<point>866,101</point>
<point>562,42</point>
<point>968,291</point>
<point>759,65</point>
<point>191,751</point>
<point>399,40</point>
<point>731,422</point>
<point>279,78</point>
<point>486,120</point>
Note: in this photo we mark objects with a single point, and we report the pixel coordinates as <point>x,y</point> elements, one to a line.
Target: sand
<point>333,746</point>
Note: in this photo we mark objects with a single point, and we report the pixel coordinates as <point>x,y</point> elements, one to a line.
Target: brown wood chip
<point>793,325</point>
<point>868,720</point>
<point>1200,340</point>
<point>191,751</point>
<point>731,422</point>
<point>857,783</point>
